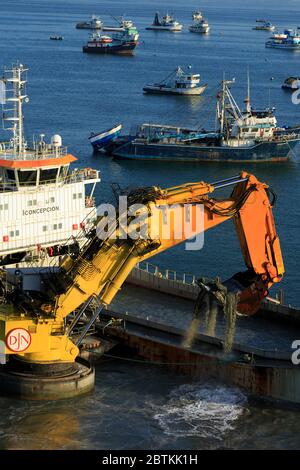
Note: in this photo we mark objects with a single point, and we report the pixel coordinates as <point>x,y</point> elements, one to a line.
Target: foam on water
<point>202,410</point>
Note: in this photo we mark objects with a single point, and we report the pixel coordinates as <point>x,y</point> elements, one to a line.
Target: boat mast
<point>228,104</point>
<point>15,86</point>
<point>247,99</point>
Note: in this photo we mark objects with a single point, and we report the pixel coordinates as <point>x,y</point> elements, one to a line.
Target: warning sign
<point>18,339</point>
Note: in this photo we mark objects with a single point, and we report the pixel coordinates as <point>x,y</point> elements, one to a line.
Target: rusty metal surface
<point>260,376</point>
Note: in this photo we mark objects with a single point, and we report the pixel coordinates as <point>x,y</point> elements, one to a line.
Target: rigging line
<point>206,100</point>
<point>158,363</point>
<point>291,149</point>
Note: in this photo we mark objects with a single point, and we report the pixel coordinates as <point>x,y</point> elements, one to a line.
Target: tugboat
<point>101,140</point>
<point>243,136</point>
<point>119,43</point>
<point>291,83</point>
<point>264,26</point>
<point>178,83</point>
<point>289,40</point>
<point>44,204</point>
<point>94,23</point>
<point>168,23</point>
<point>199,25</point>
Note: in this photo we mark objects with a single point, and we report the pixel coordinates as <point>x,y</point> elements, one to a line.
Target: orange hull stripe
<point>38,163</point>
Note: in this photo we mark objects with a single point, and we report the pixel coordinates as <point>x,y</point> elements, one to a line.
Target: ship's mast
<point>227,107</point>
<point>247,99</point>
<point>15,96</point>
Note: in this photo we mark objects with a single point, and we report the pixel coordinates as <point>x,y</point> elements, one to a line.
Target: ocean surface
<point>72,94</point>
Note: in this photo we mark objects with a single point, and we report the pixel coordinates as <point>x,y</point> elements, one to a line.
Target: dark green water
<point>72,93</point>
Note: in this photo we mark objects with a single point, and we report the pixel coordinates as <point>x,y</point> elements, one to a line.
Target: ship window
<point>27,178</point>
<point>32,203</point>
<point>57,226</point>
<point>45,228</point>
<point>48,176</point>
<point>74,196</point>
<point>3,207</point>
<point>52,199</point>
<point>79,195</point>
<point>14,233</point>
<point>63,171</point>
<point>245,129</point>
<point>255,129</point>
<point>10,174</point>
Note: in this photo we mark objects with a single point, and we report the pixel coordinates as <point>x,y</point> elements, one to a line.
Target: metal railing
<point>170,274</point>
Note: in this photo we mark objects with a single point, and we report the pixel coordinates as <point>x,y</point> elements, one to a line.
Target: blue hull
<point>262,152</point>
<point>102,142</point>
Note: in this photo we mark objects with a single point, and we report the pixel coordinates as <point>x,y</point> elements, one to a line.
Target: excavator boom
<point>156,220</point>
<point>105,263</point>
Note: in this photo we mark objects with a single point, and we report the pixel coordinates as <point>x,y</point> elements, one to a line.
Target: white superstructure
<point>200,24</point>
<point>178,83</point>
<point>44,204</point>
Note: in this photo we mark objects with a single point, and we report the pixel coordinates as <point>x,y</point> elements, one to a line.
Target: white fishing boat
<point>122,25</point>
<point>167,23</point>
<point>178,83</point>
<point>94,23</point>
<point>200,24</point>
<point>291,83</point>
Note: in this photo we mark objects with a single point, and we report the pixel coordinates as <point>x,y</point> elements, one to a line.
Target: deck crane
<point>103,263</point>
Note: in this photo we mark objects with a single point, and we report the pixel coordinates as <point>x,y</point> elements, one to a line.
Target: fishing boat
<point>178,83</point>
<point>291,83</point>
<point>122,24</point>
<point>56,38</point>
<point>167,23</point>
<point>94,23</point>
<point>264,26</point>
<point>242,136</point>
<point>101,140</point>
<point>123,42</point>
<point>289,40</point>
<point>199,25</point>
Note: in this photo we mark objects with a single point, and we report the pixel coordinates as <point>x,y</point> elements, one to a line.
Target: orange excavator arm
<point>104,264</point>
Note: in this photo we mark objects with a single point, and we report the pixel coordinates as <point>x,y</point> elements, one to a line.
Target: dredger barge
<point>52,302</point>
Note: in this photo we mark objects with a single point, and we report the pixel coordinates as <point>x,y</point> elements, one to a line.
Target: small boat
<point>289,40</point>
<point>167,23</point>
<point>264,26</point>
<point>56,38</point>
<point>123,42</point>
<point>101,140</point>
<point>199,25</point>
<point>178,83</point>
<point>94,23</point>
<point>291,83</point>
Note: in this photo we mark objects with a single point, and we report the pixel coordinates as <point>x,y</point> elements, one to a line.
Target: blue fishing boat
<point>101,140</point>
<point>123,42</point>
<point>289,39</point>
<point>243,136</point>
